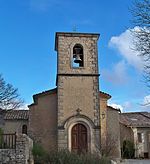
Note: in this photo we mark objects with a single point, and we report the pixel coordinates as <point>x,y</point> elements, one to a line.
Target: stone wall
<point>126,133</point>
<point>13,125</point>
<point>43,120</point>
<point>113,132</point>
<point>21,155</point>
<point>103,111</point>
<point>142,149</point>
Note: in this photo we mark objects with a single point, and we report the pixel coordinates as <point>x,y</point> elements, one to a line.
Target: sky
<point>27,55</point>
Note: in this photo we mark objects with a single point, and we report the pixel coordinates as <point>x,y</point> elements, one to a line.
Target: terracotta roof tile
<point>17,115</point>
<point>135,119</point>
<point>104,95</point>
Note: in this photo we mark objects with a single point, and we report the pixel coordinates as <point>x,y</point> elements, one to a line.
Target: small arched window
<point>24,129</point>
<point>78,58</point>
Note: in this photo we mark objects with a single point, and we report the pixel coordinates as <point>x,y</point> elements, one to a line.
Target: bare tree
<point>108,147</point>
<point>141,18</point>
<point>9,97</point>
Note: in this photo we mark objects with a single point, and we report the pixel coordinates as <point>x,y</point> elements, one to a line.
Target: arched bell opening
<point>78,57</point>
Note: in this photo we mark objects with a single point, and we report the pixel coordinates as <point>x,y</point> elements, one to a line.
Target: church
<point>73,115</point>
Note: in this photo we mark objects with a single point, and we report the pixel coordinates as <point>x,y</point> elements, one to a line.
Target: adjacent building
<point>135,127</point>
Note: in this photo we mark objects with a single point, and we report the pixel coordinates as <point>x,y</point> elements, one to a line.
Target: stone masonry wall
<point>43,121</point>
<point>77,88</point>
<point>21,155</point>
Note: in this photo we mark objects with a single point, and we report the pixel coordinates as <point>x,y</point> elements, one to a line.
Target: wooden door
<point>79,139</point>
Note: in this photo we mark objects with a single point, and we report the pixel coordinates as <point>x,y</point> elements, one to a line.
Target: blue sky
<point>28,59</point>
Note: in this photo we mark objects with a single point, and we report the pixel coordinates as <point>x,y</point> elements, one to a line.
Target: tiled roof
<point>135,119</point>
<point>17,115</point>
<point>146,114</point>
<point>44,93</point>
<point>104,95</point>
<point>54,91</point>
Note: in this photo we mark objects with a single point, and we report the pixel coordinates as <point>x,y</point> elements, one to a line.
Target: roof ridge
<point>46,91</point>
<point>145,115</point>
<point>134,112</point>
<point>106,94</point>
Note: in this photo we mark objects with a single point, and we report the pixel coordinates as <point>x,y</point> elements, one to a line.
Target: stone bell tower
<point>78,91</point>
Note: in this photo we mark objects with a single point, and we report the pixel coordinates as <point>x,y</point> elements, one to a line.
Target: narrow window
<point>78,59</point>
<point>24,129</point>
<point>139,137</point>
<point>149,137</point>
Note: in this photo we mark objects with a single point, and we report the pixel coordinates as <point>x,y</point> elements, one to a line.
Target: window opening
<point>139,137</point>
<point>24,129</point>
<point>78,59</point>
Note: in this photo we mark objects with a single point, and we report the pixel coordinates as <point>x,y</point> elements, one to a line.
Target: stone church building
<point>71,115</point>
<point>75,114</point>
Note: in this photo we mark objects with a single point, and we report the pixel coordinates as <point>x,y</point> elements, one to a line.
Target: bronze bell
<point>77,55</point>
<point>77,59</point>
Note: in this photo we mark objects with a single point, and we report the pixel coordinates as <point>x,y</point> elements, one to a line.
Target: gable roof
<point>135,119</point>
<point>44,93</point>
<point>16,115</point>
<point>104,95</point>
<point>54,91</point>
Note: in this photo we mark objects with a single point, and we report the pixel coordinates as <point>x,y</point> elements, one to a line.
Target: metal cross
<point>74,28</point>
<point>78,111</point>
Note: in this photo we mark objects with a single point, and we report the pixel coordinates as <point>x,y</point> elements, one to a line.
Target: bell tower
<point>78,91</point>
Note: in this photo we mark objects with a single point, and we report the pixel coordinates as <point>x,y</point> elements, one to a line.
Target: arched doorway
<point>79,138</point>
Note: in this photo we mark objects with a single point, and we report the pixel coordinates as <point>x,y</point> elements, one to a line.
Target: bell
<point>77,55</point>
<point>77,59</point>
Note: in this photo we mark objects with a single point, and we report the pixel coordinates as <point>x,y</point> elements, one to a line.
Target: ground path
<point>134,161</point>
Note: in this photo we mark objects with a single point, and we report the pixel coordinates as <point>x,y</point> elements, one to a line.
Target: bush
<point>128,149</point>
<point>39,154</point>
<point>66,157</point>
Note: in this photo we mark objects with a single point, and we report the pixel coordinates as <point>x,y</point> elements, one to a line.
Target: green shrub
<point>39,154</point>
<point>66,157</point>
<point>128,149</point>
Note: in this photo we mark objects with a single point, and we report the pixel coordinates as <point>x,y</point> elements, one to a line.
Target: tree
<point>128,149</point>
<point>141,19</point>
<point>9,97</point>
<point>109,146</point>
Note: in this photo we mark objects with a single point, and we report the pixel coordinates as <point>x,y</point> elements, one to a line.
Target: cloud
<point>116,106</point>
<point>24,107</point>
<point>146,101</point>
<point>117,75</point>
<point>43,5</point>
<point>128,106</point>
<point>124,44</point>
